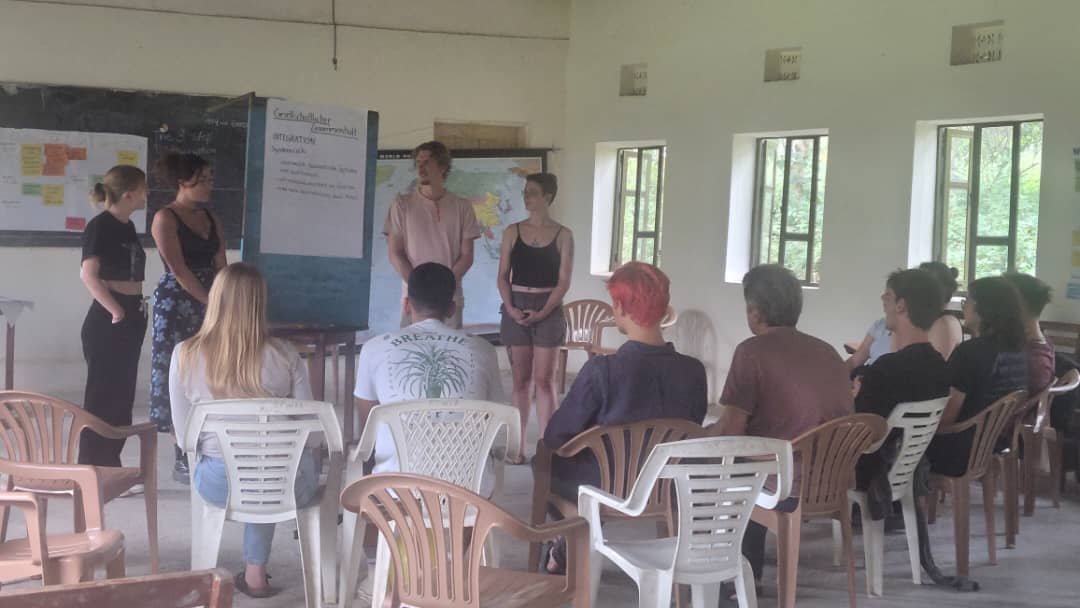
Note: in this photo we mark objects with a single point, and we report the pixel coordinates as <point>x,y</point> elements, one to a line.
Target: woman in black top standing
<point>113,269</point>
<point>192,246</point>
<point>535,263</point>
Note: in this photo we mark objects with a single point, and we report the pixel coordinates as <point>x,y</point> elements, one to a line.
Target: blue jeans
<point>212,482</point>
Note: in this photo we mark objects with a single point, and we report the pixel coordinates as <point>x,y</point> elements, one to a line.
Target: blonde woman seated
<point>232,357</point>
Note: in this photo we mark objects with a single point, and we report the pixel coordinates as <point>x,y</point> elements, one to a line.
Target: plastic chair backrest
<point>582,316</point>
<point>622,450</point>
<point>41,429</point>
<point>989,424</point>
<point>828,454</point>
<point>448,439</point>
<point>436,560</point>
<point>718,480</point>
<point>919,421</point>
<point>262,441</point>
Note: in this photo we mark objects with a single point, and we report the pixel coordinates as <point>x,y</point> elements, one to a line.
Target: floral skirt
<point>177,317</point>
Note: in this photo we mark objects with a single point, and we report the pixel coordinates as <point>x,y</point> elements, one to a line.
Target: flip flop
<point>240,583</point>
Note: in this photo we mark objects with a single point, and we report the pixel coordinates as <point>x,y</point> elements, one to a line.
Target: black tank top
<point>198,252</point>
<point>535,266</point>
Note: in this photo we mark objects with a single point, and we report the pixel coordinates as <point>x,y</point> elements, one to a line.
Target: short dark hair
<point>1034,292</point>
<point>921,292</point>
<point>946,277</point>
<point>549,184</point>
<point>775,292</point>
<point>431,289</point>
<point>998,307</point>
<point>438,151</point>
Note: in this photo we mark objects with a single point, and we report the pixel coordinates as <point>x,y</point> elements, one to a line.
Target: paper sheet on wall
<point>1073,291</point>
<point>314,180</point>
<point>46,176</point>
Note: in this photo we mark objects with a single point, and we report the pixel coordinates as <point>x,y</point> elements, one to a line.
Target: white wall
<point>513,73</point>
<point>871,69</point>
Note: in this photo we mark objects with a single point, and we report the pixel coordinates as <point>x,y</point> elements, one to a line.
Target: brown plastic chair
<point>1007,463</point>
<point>209,588</point>
<point>436,561</point>
<point>1034,435</point>
<point>671,317</point>
<point>826,456</point>
<point>621,451</point>
<point>582,318</point>
<point>40,434</point>
<point>988,426</point>
<point>61,558</point>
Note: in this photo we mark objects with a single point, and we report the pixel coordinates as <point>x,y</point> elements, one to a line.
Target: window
<point>987,211</point>
<point>639,193</point>
<point>789,201</point>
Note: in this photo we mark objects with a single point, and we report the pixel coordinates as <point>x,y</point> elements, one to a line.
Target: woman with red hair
<point>644,379</point>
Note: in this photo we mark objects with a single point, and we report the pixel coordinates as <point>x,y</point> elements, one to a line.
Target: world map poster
<point>493,186</point>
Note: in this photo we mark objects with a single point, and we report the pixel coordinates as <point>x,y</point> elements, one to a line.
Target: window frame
<point>943,184</point>
<point>758,215</point>
<point>620,198</point>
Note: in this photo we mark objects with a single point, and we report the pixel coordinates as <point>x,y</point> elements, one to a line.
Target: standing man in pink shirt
<point>431,224</point>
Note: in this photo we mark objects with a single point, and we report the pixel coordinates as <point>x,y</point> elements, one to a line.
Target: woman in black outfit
<point>113,269</point>
<point>192,246</point>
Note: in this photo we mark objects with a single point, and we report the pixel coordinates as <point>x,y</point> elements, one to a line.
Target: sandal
<point>240,583</point>
<point>520,460</point>
<point>556,553</point>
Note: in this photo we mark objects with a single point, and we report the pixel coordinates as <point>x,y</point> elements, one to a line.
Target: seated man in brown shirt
<point>781,382</point>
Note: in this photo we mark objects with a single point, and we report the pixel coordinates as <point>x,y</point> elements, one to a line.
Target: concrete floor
<point>1040,571</point>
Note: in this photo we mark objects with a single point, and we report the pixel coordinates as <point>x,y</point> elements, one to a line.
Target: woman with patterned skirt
<point>192,246</point>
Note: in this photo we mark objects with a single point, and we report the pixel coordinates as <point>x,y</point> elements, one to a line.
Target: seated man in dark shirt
<point>915,372</point>
<point>644,379</point>
<point>981,370</point>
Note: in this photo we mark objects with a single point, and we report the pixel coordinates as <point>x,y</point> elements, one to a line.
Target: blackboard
<point>309,290</point>
<point>206,125</point>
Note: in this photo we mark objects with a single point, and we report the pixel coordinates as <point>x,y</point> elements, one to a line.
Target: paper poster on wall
<point>46,176</point>
<point>313,184</point>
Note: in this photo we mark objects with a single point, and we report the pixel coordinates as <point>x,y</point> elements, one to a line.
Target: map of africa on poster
<point>493,186</point>
<point>46,176</point>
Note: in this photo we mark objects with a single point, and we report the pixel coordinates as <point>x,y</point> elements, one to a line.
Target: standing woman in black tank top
<point>113,268</point>
<point>192,246</point>
<point>536,260</point>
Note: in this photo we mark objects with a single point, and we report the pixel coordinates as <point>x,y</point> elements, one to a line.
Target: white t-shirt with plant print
<point>426,360</point>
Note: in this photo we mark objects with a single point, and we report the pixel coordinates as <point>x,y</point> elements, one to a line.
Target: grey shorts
<point>549,333</point>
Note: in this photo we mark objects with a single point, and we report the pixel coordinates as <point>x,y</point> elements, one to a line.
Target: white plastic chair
<point>715,498</point>
<point>919,421</point>
<point>447,439</point>
<point>262,441</point>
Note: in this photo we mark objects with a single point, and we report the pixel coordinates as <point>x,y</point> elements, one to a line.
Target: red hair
<point>642,291</point>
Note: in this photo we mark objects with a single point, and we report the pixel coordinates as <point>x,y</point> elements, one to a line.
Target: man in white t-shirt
<point>426,360</point>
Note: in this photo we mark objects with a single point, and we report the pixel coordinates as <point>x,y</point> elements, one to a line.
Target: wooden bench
<point>209,588</point>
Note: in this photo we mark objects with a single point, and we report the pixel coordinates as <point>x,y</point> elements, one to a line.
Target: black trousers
<point>112,361</point>
<point>753,542</point>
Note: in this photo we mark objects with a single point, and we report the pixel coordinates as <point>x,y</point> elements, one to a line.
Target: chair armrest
<point>548,531</point>
<point>575,445</point>
<point>109,431</point>
<point>84,476</point>
<point>959,427</point>
<point>591,498</point>
<point>30,506</point>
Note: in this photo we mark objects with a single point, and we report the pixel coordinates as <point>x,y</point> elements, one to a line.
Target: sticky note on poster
<point>56,160</point>
<point>31,189</point>
<point>52,194</point>
<point>32,161</point>
<point>127,157</point>
<point>76,153</point>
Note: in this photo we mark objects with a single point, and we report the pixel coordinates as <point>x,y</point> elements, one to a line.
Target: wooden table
<point>318,338</point>
<point>11,309</point>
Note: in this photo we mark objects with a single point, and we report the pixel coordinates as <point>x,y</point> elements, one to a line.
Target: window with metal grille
<point>639,194</point>
<point>987,211</point>
<point>789,203</point>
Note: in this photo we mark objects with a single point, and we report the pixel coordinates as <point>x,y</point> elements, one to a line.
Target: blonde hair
<point>234,336</point>
<point>117,182</point>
